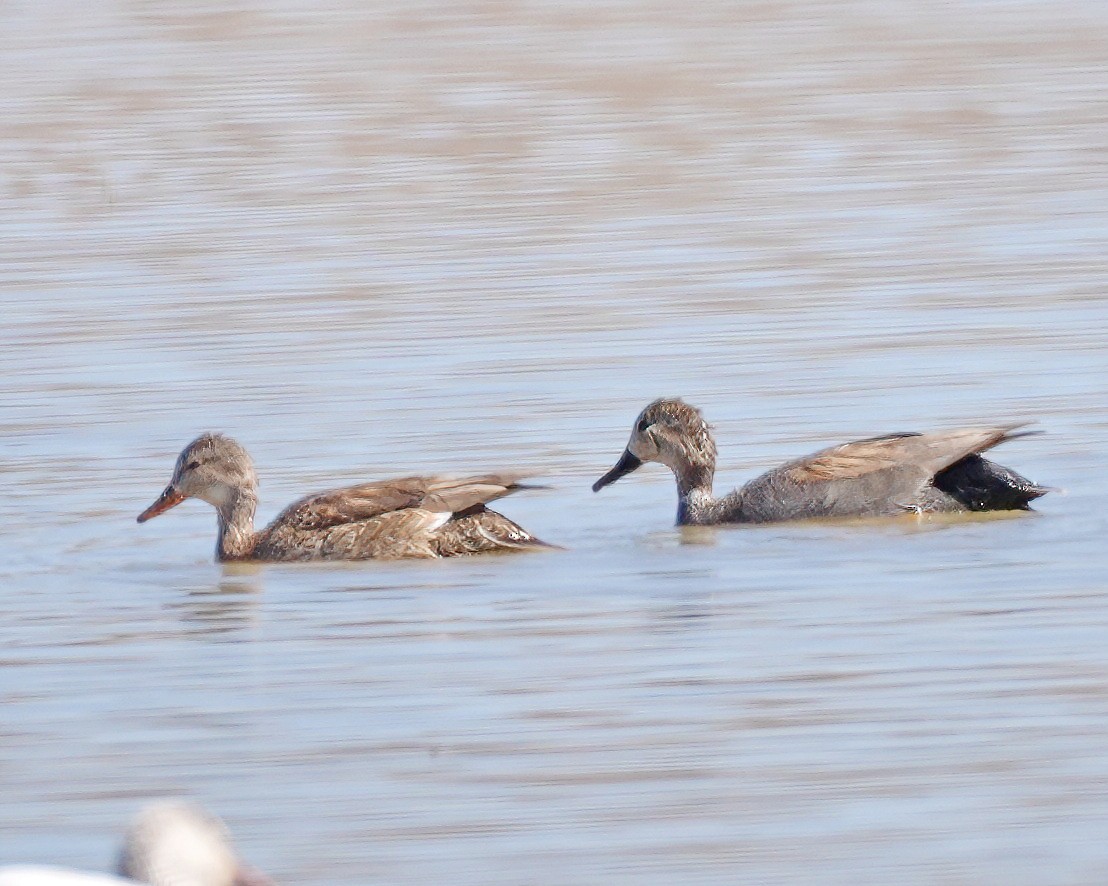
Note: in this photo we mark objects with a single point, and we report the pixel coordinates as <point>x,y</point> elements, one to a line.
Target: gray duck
<point>880,476</point>
<point>405,518</point>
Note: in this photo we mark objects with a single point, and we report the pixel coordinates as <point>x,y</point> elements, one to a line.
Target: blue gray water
<point>375,239</point>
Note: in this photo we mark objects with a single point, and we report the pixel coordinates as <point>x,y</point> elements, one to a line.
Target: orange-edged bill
<point>168,499</point>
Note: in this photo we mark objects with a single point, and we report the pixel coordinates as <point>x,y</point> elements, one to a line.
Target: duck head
<point>213,468</point>
<point>669,431</point>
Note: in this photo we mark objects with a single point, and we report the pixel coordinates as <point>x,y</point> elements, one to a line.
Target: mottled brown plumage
<point>409,517</point>
<point>881,476</point>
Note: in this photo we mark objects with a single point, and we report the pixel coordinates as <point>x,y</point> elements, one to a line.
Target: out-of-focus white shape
<point>169,844</point>
<point>28,875</point>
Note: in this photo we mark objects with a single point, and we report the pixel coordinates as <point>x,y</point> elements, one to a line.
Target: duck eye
<point>193,465</point>
<point>643,425</point>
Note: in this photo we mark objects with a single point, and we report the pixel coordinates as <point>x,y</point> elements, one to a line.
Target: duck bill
<point>168,499</point>
<point>626,464</point>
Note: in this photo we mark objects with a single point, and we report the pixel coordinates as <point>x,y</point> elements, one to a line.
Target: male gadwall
<point>881,476</point>
<point>169,844</point>
<point>410,517</point>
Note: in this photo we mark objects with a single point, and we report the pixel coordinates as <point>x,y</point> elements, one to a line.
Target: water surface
<point>373,239</point>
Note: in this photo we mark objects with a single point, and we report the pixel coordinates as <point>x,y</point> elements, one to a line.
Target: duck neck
<point>694,493</point>
<point>236,525</point>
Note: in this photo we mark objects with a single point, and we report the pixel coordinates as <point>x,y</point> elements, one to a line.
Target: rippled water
<point>378,238</point>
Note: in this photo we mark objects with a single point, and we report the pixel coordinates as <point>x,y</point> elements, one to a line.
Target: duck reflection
<point>230,605</point>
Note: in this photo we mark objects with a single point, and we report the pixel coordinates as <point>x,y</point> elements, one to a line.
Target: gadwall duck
<point>410,517</point>
<point>881,476</point>
<point>169,844</point>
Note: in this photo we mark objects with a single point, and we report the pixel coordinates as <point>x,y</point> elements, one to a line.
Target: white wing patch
<point>438,519</point>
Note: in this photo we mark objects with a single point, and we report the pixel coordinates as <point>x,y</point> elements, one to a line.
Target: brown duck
<point>882,476</point>
<point>410,517</point>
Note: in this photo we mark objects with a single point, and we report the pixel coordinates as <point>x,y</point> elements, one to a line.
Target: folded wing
<point>441,495</point>
<point>878,475</point>
<point>409,517</point>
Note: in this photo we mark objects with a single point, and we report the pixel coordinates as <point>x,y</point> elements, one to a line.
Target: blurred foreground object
<point>169,844</point>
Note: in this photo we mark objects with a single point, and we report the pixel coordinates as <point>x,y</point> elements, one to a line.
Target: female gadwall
<point>868,478</point>
<point>411,517</point>
<point>169,844</point>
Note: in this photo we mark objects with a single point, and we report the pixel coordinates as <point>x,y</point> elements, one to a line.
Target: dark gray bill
<point>626,464</point>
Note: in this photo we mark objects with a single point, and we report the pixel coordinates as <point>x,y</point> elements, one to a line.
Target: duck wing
<point>392,519</point>
<point>354,504</point>
<point>480,530</point>
<point>872,477</point>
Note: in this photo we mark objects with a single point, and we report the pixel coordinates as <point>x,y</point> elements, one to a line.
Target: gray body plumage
<point>880,476</point>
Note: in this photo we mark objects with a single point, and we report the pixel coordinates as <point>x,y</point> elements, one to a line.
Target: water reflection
<point>699,535</point>
<point>229,606</point>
